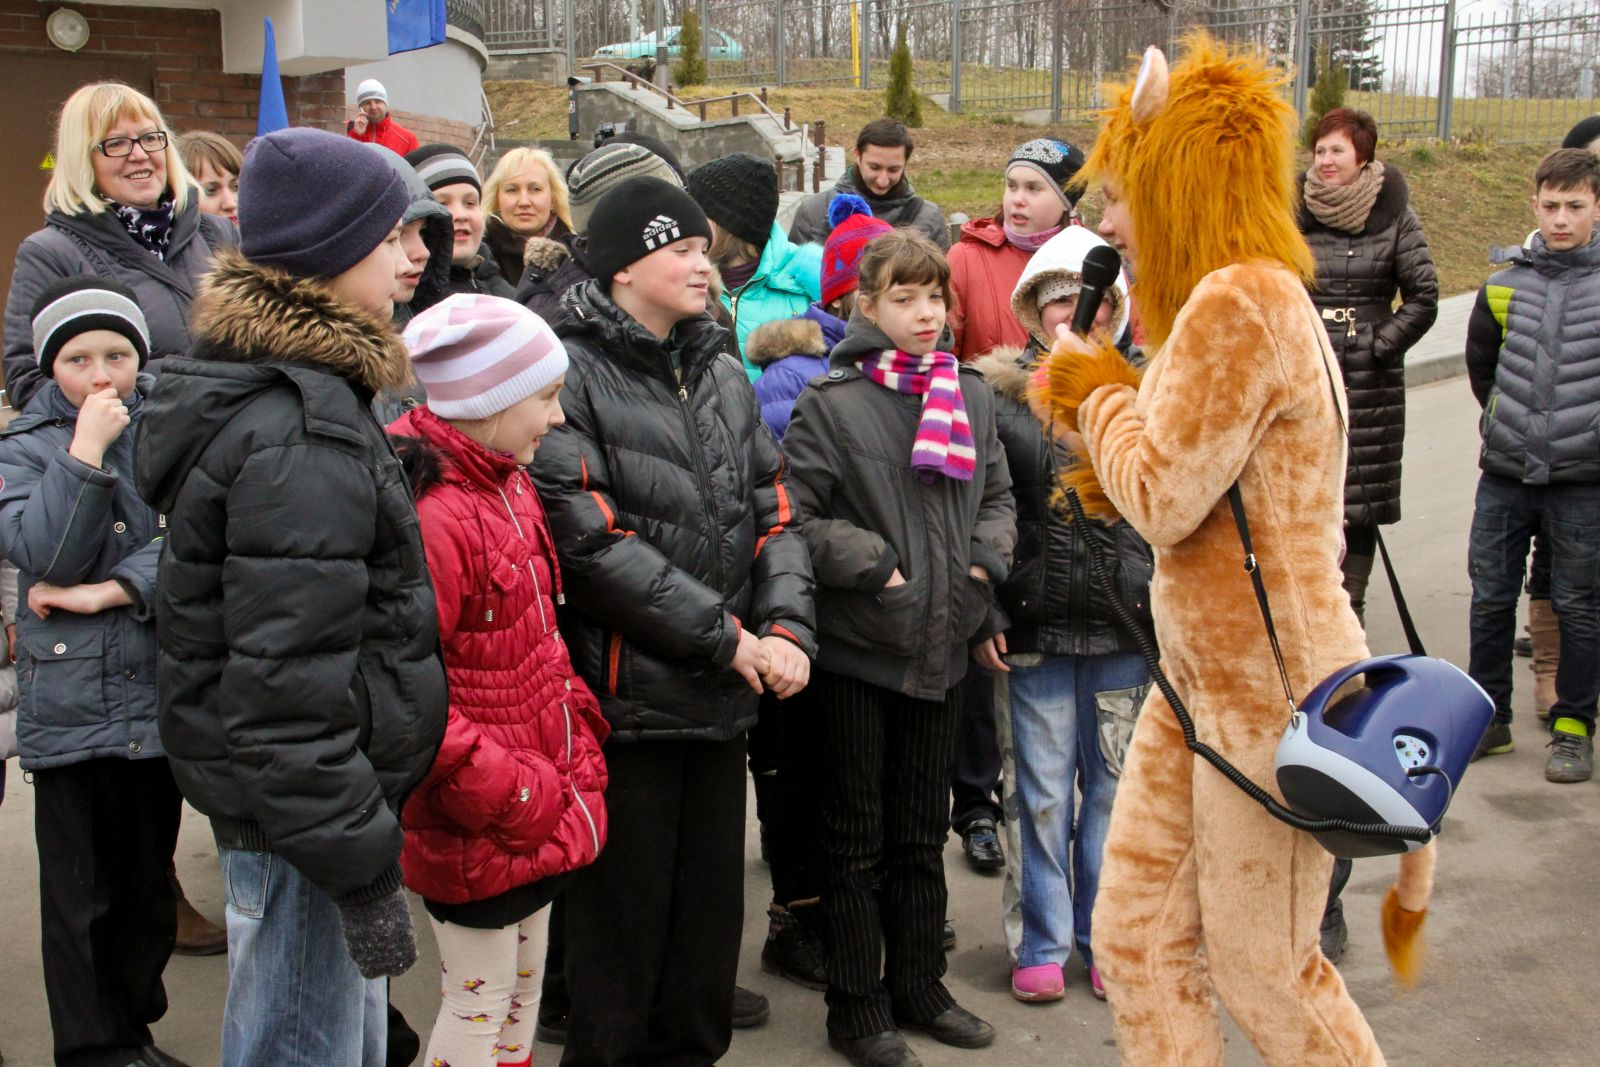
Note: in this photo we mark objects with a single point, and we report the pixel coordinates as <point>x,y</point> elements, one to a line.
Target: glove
<point>378,935</point>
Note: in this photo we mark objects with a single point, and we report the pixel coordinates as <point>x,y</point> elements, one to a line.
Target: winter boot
<point>794,948</point>
<point>1546,634</point>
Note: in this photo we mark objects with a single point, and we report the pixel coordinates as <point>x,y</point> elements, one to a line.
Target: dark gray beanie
<point>313,203</point>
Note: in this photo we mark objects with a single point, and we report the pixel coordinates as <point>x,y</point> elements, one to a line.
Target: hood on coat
<point>788,266</point>
<point>437,230</point>
<point>545,255</point>
<point>1062,258</point>
<point>861,336</point>
<point>986,231</point>
<point>433,452</point>
<point>1006,370</point>
<point>772,341</point>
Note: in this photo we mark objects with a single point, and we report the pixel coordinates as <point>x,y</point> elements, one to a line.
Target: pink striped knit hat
<point>477,355</point>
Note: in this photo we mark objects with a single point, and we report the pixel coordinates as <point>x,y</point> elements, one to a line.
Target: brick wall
<point>191,87</point>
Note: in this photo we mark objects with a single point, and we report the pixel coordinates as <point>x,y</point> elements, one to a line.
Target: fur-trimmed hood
<point>1061,258</point>
<point>772,341</point>
<point>1006,370</point>
<point>1394,196</point>
<point>248,313</point>
<point>544,255</point>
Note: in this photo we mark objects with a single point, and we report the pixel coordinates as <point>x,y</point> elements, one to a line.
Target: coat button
<point>134,746</point>
<point>120,527</point>
<point>60,649</point>
<point>836,374</point>
<point>130,674</point>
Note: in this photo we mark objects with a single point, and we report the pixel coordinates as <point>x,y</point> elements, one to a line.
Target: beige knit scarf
<point>1344,207</point>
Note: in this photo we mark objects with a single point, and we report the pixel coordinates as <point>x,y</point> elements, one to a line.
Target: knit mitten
<point>378,935</point>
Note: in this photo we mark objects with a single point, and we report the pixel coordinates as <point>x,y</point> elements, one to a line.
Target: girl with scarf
<point>905,499</point>
<point>987,261</point>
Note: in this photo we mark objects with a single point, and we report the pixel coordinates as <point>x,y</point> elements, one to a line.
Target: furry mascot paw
<point>1057,388</point>
<point>1405,909</point>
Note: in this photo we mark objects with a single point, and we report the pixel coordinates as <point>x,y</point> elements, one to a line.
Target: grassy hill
<point>1470,195</point>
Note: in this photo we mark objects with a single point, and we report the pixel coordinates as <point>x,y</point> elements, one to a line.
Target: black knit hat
<point>1583,134</point>
<point>77,305</point>
<point>444,164</point>
<point>738,193</point>
<point>313,203</point>
<point>1056,161</point>
<point>635,219</point>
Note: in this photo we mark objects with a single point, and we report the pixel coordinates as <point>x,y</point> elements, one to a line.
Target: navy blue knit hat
<point>315,204</point>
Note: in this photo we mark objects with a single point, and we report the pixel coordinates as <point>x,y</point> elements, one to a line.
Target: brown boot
<point>197,935</point>
<point>1546,634</point>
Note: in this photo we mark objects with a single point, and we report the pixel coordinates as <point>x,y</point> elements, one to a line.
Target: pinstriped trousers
<point>885,823</point>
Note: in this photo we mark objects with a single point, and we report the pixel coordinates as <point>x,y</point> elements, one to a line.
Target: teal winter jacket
<point>788,279</point>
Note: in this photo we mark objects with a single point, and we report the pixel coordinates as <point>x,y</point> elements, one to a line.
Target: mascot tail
<point>1405,908</point>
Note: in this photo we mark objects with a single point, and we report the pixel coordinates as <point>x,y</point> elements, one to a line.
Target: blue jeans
<point>1050,712</point>
<point>295,998</point>
<point>1505,518</point>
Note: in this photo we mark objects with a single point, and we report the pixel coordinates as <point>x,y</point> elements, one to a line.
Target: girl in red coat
<point>513,803</point>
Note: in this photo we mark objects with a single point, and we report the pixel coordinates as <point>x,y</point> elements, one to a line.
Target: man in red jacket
<point>374,124</point>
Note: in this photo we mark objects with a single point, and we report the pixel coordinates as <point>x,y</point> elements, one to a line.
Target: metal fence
<point>1428,68</point>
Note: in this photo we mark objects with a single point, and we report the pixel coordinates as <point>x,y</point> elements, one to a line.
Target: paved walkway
<point>1442,352</point>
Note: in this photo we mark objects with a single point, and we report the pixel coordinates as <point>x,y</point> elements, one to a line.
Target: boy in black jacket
<point>301,692</point>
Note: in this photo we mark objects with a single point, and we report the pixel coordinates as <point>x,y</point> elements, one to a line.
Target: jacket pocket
<point>64,677</point>
<point>886,621</point>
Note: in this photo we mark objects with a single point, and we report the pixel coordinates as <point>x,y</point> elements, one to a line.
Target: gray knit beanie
<point>607,167</point>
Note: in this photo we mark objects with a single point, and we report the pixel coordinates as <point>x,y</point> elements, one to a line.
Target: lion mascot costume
<point>1199,163</point>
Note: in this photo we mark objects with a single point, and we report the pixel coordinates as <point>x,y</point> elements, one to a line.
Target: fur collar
<point>774,340</point>
<point>544,255</point>
<point>249,313</point>
<point>1006,370</point>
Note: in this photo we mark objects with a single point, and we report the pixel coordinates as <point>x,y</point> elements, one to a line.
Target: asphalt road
<point>1513,932</point>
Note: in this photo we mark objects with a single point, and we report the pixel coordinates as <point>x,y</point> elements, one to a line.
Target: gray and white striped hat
<point>77,305</point>
<point>442,164</point>
<point>607,167</point>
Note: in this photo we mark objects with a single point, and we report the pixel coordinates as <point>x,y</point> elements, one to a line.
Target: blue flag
<point>415,24</point>
<point>272,114</point>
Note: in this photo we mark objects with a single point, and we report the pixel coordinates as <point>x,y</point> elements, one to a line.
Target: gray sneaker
<point>1571,758</point>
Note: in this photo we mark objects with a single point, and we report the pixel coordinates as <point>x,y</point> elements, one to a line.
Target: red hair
<point>1356,125</point>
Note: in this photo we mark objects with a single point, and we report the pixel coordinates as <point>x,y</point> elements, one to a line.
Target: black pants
<point>889,759</point>
<point>975,785</point>
<point>653,926</point>
<point>106,831</point>
<point>793,781</point>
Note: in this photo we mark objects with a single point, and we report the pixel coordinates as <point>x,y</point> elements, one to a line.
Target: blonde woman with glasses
<point>120,205</point>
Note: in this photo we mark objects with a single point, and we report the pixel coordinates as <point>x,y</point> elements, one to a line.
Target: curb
<point>1435,368</point>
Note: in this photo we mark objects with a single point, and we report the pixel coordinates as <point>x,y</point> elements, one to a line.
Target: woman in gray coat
<point>120,205</point>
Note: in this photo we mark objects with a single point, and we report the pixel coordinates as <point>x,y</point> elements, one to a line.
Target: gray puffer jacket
<point>866,514</point>
<point>1533,358</point>
<point>70,245</point>
<point>902,207</point>
<point>1362,272</point>
<point>87,682</point>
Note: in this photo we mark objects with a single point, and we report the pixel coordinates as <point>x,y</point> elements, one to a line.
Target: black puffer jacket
<point>666,496</point>
<point>1364,271</point>
<point>867,514</point>
<point>549,269</point>
<point>301,691</point>
<point>1050,597</point>
<point>480,276</point>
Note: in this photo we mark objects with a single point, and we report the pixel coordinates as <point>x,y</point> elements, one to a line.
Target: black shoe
<point>404,1044</point>
<point>1496,741</point>
<point>1523,646</point>
<point>156,1058</point>
<point>1335,935</point>
<point>749,1008</point>
<point>793,949</point>
<point>981,842</point>
<point>955,1026</point>
<point>887,1049</point>
<point>949,936</point>
<point>551,1029</point>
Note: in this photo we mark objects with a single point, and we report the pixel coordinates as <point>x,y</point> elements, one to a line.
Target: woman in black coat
<point>1357,218</point>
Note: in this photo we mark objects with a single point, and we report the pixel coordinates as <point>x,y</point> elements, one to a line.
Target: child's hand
<point>988,654</point>
<point>78,599</point>
<point>750,659</point>
<point>1070,344</point>
<point>895,578</point>
<point>101,420</point>
<point>788,669</point>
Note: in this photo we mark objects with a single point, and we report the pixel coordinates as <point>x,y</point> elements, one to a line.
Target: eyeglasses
<point>116,147</point>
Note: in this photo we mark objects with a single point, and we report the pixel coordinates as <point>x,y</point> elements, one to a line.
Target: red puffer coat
<point>515,794</point>
<point>984,268</point>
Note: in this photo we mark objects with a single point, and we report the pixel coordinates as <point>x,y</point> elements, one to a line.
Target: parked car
<point>719,46</point>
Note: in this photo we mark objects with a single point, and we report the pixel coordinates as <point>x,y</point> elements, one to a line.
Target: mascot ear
<point>1150,90</point>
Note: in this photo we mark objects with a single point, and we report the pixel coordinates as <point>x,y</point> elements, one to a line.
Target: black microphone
<point>1100,269</point>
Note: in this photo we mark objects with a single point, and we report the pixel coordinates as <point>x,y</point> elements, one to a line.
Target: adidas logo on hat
<point>661,230</point>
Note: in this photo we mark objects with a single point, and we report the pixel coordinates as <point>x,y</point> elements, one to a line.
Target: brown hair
<point>1356,125</point>
<point>885,133</point>
<point>1568,168</point>
<point>197,146</point>
<point>902,257</point>
<point>726,250</point>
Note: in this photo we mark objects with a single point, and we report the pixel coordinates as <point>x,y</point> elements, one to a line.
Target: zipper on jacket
<point>538,596</point>
<point>594,833</point>
<point>703,481</point>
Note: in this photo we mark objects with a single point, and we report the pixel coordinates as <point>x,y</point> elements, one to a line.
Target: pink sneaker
<point>1095,985</point>
<point>1041,983</point>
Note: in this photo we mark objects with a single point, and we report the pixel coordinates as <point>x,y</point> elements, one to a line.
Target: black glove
<point>378,935</point>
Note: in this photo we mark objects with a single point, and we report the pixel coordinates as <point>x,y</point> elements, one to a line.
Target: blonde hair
<point>1221,151</point>
<point>512,163</point>
<point>203,146</point>
<point>86,118</point>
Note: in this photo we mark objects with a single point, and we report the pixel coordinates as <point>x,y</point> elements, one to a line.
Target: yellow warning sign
<point>48,162</point>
